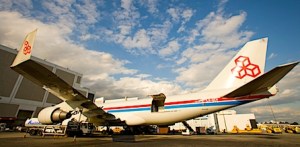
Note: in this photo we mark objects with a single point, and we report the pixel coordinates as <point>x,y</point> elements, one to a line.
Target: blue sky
<point>137,48</point>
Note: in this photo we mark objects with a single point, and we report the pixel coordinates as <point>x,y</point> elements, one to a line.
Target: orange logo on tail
<point>27,48</point>
<point>245,68</point>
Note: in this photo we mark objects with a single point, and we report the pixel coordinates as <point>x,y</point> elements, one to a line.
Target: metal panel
<point>8,77</point>
<point>30,91</point>
<point>48,67</point>
<point>82,92</point>
<point>8,110</point>
<point>67,77</point>
<point>53,99</point>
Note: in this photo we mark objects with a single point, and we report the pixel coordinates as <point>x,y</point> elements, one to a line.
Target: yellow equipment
<point>247,130</point>
<point>297,130</point>
<point>274,129</point>
<point>292,129</point>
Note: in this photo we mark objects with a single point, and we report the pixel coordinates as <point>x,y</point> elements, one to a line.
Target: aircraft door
<point>158,102</point>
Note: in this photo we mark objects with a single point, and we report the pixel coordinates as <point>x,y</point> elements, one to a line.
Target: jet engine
<point>52,115</point>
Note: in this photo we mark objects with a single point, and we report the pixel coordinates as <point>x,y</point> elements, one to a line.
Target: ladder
<point>188,126</point>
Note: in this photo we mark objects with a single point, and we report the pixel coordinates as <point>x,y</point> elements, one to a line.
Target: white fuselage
<point>176,108</point>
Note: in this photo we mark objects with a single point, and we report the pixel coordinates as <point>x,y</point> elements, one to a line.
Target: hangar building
<point>20,98</point>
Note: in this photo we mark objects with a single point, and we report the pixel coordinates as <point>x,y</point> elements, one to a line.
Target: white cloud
<point>89,11</point>
<point>140,41</point>
<point>175,13</point>
<point>160,66</point>
<point>152,5</point>
<point>126,4</point>
<point>143,76</point>
<point>181,29</point>
<point>159,32</point>
<point>221,5</point>
<point>194,33</point>
<point>143,40</point>
<point>146,87</point>
<point>58,8</point>
<point>24,6</point>
<point>285,103</point>
<point>179,13</point>
<point>72,17</point>
<point>199,53</point>
<point>172,47</point>
<point>272,55</point>
<point>217,28</point>
<point>128,15</point>
<point>52,45</point>
<point>134,40</point>
<point>97,67</point>
<point>198,75</point>
<point>288,114</point>
<point>124,29</point>
<point>88,36</point>
<point>187,14</point>
<point>212,41</point>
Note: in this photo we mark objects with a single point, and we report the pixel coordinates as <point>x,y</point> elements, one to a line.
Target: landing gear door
<point>158,102</point>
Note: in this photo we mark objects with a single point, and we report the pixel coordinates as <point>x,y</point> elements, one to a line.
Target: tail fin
<point>25,50</point>
<point>246,65</point>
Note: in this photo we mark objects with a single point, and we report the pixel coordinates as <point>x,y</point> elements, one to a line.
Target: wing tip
<point>290,64</point>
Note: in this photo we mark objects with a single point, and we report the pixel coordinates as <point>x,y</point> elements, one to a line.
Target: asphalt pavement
<point>18,139</point>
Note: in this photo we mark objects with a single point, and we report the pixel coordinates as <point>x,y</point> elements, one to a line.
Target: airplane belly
<point>170,117</point>
<point>160,118</point>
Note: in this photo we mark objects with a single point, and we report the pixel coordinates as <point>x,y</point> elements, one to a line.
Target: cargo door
<point>158,102</point>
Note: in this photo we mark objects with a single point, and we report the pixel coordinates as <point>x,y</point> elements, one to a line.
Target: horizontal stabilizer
<point>263,82</point>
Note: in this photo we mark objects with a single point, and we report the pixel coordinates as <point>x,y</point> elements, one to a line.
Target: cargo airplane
<point>241,81</point>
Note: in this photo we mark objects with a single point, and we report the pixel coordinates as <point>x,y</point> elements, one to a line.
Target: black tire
<point>39,133</point>
<point>32,132</point>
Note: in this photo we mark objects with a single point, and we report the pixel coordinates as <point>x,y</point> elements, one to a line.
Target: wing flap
<point>264,82</point>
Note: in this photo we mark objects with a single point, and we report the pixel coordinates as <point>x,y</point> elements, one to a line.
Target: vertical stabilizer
<point>26,48</point>
<point>247,64</point>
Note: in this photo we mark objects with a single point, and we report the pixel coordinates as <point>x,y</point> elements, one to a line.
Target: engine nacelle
<point>52,115</point>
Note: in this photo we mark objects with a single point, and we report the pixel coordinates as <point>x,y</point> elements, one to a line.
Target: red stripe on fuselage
<point>123,107</point>
<point>194,101</point>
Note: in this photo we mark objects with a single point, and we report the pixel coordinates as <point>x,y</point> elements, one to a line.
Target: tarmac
<point>18,139</point>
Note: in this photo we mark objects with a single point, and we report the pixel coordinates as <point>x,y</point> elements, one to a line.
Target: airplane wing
<point>264,82</point>
<point>45,78</point>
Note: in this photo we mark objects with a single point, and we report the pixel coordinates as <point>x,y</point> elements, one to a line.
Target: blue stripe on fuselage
<point>226,103</point>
